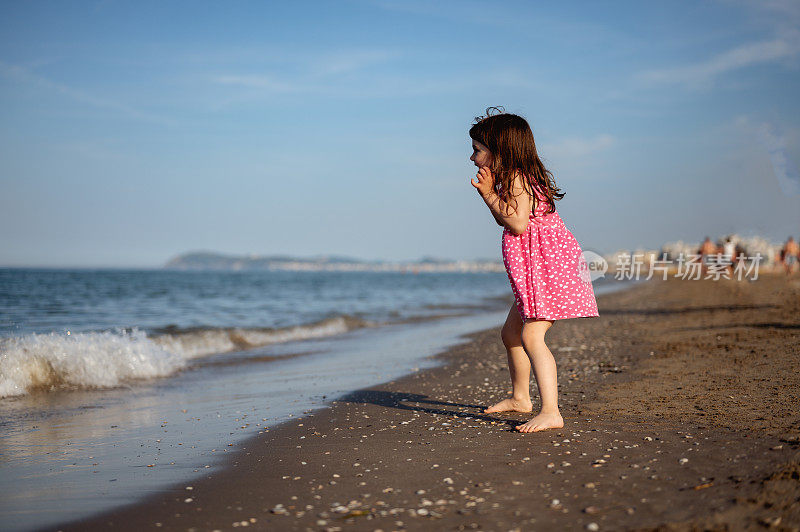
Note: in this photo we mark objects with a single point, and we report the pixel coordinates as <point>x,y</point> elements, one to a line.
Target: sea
<point>116,383</point>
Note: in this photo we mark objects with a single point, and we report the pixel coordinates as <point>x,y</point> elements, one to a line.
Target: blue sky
<point>134,131</point>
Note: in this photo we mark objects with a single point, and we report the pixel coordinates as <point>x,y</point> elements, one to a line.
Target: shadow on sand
<point>414,402</point>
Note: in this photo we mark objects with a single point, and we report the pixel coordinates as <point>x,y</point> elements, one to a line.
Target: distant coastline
<point>202,261</point>
<point>210,261</point>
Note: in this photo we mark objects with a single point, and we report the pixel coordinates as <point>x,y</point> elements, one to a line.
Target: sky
<point>131,132</point>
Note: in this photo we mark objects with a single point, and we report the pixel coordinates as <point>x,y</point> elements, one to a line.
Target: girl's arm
<point>498,220</point>
<point>515,221</point>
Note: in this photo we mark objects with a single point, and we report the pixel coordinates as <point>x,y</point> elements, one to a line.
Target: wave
<point>198,342</point>
<point>105,359</point>
<point>94,359</point>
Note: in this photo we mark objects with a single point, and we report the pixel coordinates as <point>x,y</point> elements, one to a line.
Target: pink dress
<point>547,270</point>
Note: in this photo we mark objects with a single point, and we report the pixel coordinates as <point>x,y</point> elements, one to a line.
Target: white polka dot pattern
<point>547,270</point>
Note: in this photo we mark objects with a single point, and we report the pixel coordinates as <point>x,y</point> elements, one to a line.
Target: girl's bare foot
<point>545,420</point>
<point>511,405</point>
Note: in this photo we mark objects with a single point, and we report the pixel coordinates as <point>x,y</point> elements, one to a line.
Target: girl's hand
<point>485,184</point>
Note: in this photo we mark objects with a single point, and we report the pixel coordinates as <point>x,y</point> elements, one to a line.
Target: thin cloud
<point>488,14</point>
<point>23,75</point>
<point>782,165</point>
<point>785,8</point>
<point>576,148</point>
<point>315,72</point>
<point>360,87</point>
<point>781,13</point>
<point>260,82</point>
<point>349,61</point>
<point>703,74</point>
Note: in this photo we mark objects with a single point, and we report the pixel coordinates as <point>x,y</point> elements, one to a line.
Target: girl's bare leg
<point>544,369</point>
<point>519,365</point>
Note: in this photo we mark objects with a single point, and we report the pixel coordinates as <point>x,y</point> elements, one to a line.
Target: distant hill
<point>206,260</point>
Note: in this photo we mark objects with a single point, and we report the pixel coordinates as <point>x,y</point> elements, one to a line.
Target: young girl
<point>545,264</point>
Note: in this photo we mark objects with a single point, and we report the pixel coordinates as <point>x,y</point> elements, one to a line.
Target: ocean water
<point>115,384</point>
<point>62,329</point>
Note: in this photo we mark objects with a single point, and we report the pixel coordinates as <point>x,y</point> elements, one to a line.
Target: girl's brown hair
<point>510,141</point>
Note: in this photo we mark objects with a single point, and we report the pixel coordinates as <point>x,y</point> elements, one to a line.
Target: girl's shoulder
<point>542,200</point>
<point>536,188</point>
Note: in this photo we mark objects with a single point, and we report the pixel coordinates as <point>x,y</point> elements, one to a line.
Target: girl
<point>545,264</point>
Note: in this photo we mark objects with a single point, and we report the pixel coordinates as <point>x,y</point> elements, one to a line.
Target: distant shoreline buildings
<point>199,261</point>
<point>748,246</point>
<point>217,261</point>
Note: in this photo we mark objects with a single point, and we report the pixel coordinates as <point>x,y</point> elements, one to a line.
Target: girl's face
<point>480,154</point>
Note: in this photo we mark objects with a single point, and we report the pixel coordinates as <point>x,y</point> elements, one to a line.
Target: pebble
<point>593,527</point>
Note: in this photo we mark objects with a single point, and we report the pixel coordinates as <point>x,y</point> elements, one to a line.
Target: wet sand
<point>681,413</point>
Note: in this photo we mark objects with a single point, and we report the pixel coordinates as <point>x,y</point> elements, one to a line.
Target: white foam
<point>204,342</point>
<point>94,359</point>
<point>109,358</point>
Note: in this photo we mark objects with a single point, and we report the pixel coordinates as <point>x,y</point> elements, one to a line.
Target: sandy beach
<point>681,413</point>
